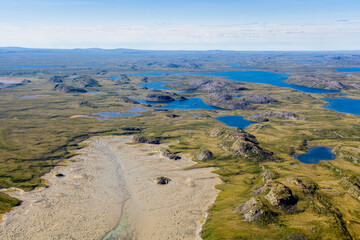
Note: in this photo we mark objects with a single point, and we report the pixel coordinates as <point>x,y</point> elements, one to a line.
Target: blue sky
<point>196,24</point>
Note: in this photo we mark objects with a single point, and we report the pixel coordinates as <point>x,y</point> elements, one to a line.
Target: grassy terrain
<point>37,134</point>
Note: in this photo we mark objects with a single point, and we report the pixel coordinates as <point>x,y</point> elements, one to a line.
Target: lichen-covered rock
<point>281,196</point>
<point>204,155</point>
<point>166,153</point>
<point>252,210</point>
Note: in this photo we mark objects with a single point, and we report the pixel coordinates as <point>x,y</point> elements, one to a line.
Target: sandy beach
<point>109,192</point>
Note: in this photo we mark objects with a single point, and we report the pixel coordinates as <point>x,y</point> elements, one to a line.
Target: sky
<point>182,24</point>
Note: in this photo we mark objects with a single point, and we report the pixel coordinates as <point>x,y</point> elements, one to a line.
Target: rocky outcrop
<point>252,210</point>
<point>258,99</point>
<point>281,115</point>
<point>166,153</point>
<point>225,101</point>
<point>268,174</point>
<point>68,89</point>
<point>57,79</point>
<point>142,139</point>
<point>163,97</point>
<point>85,82</point>
<point>259,118</point>
<point>152,97</point>
<point>242,144</point>
<point>353,186</point>
<point>163,180</point>
<point>204,155</point>
<point>127,100</point>
<point>306,186</point>
<point>281,196</point>
<point>324,81</point>
<point>172,115</point>
<point>205,85</point>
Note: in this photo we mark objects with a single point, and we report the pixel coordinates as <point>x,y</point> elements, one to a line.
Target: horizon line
<point>184,50</point>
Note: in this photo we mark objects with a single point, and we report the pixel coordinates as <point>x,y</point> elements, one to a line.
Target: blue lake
<point>343,105</point>
<point>235,121</point>
<point>271,78</point>
<point>154,85</point>
<point>348,69</point>
<point>115,114</point>
<point>192,103</point>
<point>316,154</point>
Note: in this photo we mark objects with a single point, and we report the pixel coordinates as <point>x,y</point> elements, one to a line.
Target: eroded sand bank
<point>108,181</point>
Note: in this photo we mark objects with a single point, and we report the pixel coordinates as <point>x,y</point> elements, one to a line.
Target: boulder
<point>204,155</point>
<point>281,196</point>
<point>163,180</point>
<point>252,210</point>
<point>166,153</point>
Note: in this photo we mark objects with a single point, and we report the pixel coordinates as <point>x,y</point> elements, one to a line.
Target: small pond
<point>315,154</point>
<point>235,121</point>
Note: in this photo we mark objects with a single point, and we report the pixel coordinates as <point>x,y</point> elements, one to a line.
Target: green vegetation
<point>39,133</point>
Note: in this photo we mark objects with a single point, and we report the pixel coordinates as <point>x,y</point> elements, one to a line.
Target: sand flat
<point>111,180</point>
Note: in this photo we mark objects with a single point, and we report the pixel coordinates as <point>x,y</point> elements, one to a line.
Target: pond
<point>235,121</point>
<point>315,154</point>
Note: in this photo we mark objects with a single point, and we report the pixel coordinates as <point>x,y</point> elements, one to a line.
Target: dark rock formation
<point>172,115</point>
<point>127,100</point>
<point>130,129</point>
<point>57,79</point>
<point>142,139</point>
<point>281,196</point>
<point>166,153</point>
<point>152,97</point>
<point>204,155</point>
<point>163,180</point>
<point>145,79</point>
<point>68,89</point>
<point>159,96</point>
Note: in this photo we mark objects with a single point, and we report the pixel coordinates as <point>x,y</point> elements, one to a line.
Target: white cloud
<point>337,36</point>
